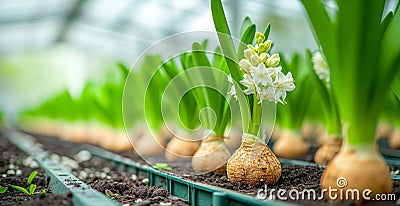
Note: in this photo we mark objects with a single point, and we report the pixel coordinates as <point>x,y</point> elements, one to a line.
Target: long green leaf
<point>246,38</point>
<point>357,25</point>
<point>245,24</point>
<point>204,98</point>
<point>324,31</point>
<point>224,36</point>
<point>389,57</point>
<point>267,30</point>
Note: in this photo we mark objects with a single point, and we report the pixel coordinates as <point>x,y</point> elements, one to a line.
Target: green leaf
<point>225,39</point>
<point>323,28</point>
<point>199,56</point>
<point>245,24</point>
<point>21,189</point>
<point>247,38</point>
<point>32,189</point>
<point>31,177</point>
<point>124,69</point>
<point>357,25</point>
<point>204,44</point>
<point>396,85</point>
<point>291,116</point>
<point>203,97</point>
<point>385,23</point>
<point>181,82</point>
<point>267,30</point>
<point>162,166</point>
<point>153,96</point>
<point>3,189</point>
<point>389,57</point>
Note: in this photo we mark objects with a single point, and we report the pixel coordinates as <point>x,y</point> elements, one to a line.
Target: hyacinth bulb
<point>357,168</point>
<point>212,148</point>
<point>178,149</point>
<point>290,145</point>
<point>328,150</point>
<point>254,163</point>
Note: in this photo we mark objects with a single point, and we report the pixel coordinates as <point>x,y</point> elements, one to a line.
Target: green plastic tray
<point>61,181</point>
<point>194,193</point>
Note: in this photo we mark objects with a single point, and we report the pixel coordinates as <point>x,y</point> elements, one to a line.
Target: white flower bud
<point>264,57</point>
<point>321,68</point>
<point>261,48</point>
<point>273,61</point>
<point>245,65</point>
<point>267,45</point>
<point>252,48</point>
<point>255,60</point>
<point>259,37</point>
<point>248,53</point>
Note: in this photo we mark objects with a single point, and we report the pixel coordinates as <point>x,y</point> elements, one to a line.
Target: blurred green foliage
<point>101,102</point>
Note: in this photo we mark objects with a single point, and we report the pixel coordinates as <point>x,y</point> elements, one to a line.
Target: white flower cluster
<point>321,68</point>
<point>261,74</point>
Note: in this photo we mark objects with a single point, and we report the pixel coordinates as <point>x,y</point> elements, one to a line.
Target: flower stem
<point>255,117</point>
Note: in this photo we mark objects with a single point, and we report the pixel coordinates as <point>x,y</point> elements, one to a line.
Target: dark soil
<point>104,176</point>
<point>293,177</point>
<point>15,167</point>
<point>127,190</point>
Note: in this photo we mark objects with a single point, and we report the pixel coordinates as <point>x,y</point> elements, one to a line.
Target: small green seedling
<point>31,191</point>
<point>3,189</point>
<point>162,166</point>
<point>31,177</point>
<point>32,187</point>
<point>44,191</point>
<point>111,195</point>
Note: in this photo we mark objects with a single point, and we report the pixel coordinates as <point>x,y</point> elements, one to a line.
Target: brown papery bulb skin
<point>178,149</point>
<point>361,171</point>
<point>328,150</point>
<point>290,145</point>
<point>212,155</point>
<point>254,164</point>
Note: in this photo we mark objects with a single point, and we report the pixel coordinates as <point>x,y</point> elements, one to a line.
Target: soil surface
<point>127,188</point>
<point>104,176</point>
<point>294,178</point>
<point>15,167</point>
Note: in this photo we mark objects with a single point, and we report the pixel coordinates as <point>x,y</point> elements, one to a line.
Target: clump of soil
<point>15,167</point>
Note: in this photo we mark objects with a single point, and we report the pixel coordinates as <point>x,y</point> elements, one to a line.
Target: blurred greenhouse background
<point>49,45</point>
